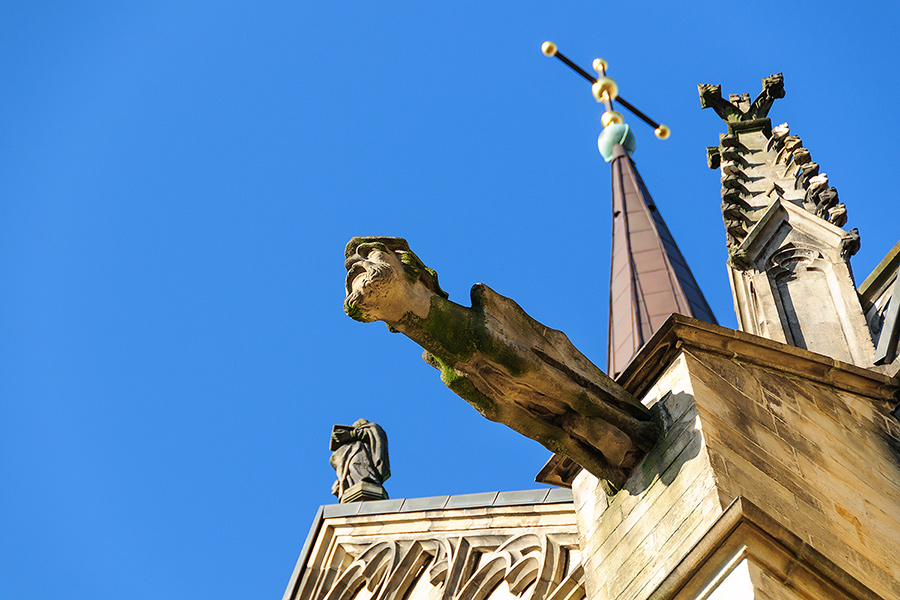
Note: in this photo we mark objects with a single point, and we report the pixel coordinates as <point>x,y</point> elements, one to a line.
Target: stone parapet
<point>462,547</point>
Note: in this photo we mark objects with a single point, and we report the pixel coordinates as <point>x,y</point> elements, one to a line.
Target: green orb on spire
<point>616,134</point>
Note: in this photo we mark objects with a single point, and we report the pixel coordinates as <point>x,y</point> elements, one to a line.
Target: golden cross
<point>605,90</point>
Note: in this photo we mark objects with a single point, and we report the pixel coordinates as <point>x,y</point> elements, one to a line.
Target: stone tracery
<point>531,566</point>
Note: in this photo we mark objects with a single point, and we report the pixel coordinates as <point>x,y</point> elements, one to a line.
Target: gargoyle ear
<point>416,269</point>
<point>430,279</point>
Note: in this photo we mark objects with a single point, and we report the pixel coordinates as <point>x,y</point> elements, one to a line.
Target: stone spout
<point>509,367</point>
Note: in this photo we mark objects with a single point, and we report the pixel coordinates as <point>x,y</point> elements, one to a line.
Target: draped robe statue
<point>360,460</point>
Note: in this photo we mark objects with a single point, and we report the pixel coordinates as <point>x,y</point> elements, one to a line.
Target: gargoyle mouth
<point>354,270</point>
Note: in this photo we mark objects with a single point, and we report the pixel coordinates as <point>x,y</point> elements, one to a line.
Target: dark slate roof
<point>649,279</point>
<point>484,499</point>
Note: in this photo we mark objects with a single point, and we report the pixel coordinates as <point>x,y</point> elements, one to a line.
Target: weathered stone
<point>391,554</point>
<point>810,302</point>
<point>360,460</point>
<point>738,108</point>
<point>880,298</point>
<point>511,368</point>
<point>766,158</point>
<point>775,446</point>
<point>794,285</point>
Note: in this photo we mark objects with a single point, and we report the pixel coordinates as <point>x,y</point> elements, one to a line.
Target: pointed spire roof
<point>649,278</point>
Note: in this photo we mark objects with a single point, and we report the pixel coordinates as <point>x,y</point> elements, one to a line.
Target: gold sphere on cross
<point>605,89</point>
<point>662,132</point>
<point>600,65</point>
<point>612,117</point>
<point>548,48</point>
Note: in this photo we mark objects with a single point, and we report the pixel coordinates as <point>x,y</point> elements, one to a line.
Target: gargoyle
<point>511,368</point>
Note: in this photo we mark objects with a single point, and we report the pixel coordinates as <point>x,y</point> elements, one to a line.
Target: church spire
<point>649,278</point>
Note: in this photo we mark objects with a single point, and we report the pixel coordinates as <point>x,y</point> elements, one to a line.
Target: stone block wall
<point>818,459</point>
<point>808,443</point>
<point>631,542</point>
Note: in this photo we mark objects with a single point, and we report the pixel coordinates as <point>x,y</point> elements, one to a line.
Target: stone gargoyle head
<point>386,280</point>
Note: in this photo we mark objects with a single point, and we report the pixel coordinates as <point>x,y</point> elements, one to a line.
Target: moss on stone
<point>414,270</point>
<point>446,332</point>
<point>354,312</point>
<point>512,359</point>
<point>412,266</point>
<point>373,242</point>
<point>454,333</point>
<point>464,388</point>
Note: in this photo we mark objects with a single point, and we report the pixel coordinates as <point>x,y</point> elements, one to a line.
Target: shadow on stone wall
<point>679,445</point>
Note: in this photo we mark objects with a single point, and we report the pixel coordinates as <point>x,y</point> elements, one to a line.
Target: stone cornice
<point>745,530</point>
<point>684,332</point>
<point>681,333</point>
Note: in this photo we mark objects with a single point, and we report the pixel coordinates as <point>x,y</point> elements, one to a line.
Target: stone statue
<point>360,460</point>
<point>511,368</point>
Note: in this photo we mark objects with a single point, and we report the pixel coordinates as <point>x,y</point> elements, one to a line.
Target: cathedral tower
<point>759,464</point>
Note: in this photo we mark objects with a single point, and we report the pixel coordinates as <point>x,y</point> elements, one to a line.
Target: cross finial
<point>605,90</point>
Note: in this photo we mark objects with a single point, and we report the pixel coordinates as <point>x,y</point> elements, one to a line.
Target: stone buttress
<point>778,477</point>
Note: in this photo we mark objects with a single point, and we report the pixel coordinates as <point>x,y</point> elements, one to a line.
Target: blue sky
<point>178,181</point>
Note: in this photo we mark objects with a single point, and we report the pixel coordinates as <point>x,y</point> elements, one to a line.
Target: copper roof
<point>649,278</point>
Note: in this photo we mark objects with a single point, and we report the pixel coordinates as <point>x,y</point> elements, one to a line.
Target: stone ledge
<point>684,332</point>
<point>680,332</point>
<point>314,529</point>
<point>459,501</point>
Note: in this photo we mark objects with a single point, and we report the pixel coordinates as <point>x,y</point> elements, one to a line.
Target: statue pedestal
<point>363,491</point>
